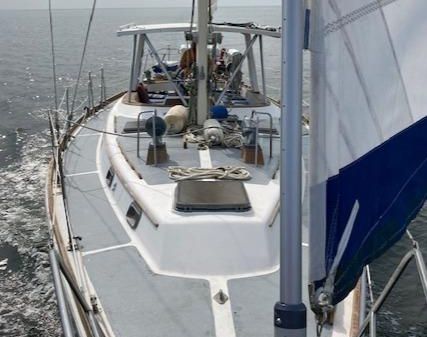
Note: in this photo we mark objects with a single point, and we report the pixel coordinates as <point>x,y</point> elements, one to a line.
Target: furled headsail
<point>369,134</point>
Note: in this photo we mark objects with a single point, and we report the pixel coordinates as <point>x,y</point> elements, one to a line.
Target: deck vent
<point>211,196</point>
<point>133,215</point>
<point>110,176</point>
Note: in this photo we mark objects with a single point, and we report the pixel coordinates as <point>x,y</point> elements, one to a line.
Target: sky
<point>61,4</point>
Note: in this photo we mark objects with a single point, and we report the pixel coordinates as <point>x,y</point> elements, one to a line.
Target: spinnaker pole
<point>290,312</point>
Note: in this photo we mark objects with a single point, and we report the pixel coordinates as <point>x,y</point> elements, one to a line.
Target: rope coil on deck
<point>179,173</point>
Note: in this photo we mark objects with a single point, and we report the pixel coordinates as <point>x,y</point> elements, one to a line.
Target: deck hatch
<point>220,196</point>
<point>133,215</point>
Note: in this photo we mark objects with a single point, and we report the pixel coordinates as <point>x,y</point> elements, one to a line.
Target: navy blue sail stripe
<point>390,183</point>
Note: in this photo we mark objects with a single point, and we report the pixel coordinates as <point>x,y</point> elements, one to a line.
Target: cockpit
<point>167,77</point>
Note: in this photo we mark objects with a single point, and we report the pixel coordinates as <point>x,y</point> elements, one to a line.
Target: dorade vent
<point>110,177</point>
<point>211,196</point>
<point>133,215</point>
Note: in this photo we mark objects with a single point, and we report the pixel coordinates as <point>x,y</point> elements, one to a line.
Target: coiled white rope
<point>191,137</point>
<point>233,137</point>
<point>233,140</point>
<point>179,173</point>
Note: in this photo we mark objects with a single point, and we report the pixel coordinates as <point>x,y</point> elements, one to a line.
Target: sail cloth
<point>368,133</point>
<point>213,5</point>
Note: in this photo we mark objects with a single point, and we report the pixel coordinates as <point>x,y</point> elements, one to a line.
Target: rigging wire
<point>193,6</point>
<point>73,244</point>
<point>64,96</point>
<point>99,131</point>
<point>83,55</point>
<point>55,148</point>
<point>128,136</point>
<point>232,139</point>
<point>52,44</point>
<point>57,162</point>
<point>82,103</point>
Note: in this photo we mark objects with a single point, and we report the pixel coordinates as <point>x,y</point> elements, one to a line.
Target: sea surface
<point>27,298</point>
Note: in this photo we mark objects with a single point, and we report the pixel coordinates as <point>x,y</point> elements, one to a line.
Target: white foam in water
<point>3,264</point>
<point>27,305</point>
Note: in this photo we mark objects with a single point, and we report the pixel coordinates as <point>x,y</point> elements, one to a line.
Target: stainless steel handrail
<point>60,296</point>
<point>166,72</point>
<point>155,137</point>
<point>236,71</point>
<point>256,140</point>
<point>271,127</point>
<point>80,298</point>
<point>103,87</point>
<point>91,102</point>
<point>414,253</point>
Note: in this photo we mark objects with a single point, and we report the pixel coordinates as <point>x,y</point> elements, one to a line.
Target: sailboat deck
<point>91,214</point>
<point>252,302</point>
<point>190,157</point>
<point>78,158</point>
<point>137,301</point>
<point>132,296</point>
<point>141,303</point>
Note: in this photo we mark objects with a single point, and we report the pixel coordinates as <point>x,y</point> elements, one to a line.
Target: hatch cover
<point>207,196</point>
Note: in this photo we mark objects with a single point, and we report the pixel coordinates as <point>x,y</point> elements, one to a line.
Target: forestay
<point>369,133</point>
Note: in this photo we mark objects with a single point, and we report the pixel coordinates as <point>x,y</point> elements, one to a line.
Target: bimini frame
<point>140,39</point>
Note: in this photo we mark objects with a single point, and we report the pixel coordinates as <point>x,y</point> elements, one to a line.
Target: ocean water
<point>27,302</point>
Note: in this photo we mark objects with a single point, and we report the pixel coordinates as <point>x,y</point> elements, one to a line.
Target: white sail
<point>213,5</point>
<point>369,130</point>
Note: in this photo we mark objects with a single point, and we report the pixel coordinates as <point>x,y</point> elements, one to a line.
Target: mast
<point>290,313</point>
<point>202,60</point>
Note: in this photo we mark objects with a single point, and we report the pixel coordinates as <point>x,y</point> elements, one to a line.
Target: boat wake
<point>27,305</point>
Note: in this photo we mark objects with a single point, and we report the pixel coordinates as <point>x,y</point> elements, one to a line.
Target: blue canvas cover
<point>368,134</point>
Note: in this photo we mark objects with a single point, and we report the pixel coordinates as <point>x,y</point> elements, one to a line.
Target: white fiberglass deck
<point>136,299</point>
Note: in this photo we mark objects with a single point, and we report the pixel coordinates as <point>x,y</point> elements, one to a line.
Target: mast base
<point>290,320</point>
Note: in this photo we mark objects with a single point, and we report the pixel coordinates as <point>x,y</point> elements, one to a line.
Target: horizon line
<point>143,7</point>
